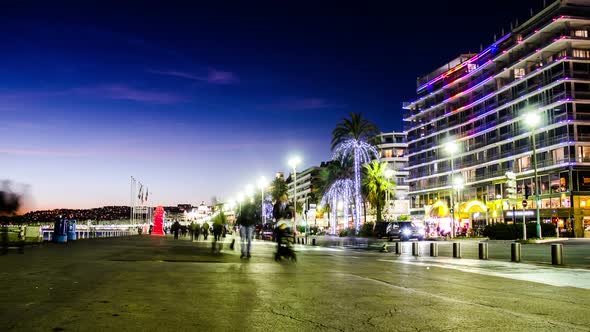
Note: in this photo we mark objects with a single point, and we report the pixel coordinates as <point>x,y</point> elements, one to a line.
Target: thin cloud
<point>126,92</point>
<point>213,76</point>
<point>300,104</point>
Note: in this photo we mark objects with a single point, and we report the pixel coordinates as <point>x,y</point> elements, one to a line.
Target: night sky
<point>197,100</point>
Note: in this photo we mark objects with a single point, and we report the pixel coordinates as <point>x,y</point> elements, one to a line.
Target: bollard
<point>456,250</point>
<point>415,249</point>
<point>434,249</point>
<point>297,240</point>
<point>398,248</point>
<point>313,242</point>
<point>483,250</point>
<point>557,254</point>
<point>515,252</point>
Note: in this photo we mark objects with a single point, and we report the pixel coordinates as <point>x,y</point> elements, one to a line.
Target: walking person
<point>247,221</point>
<point>176,229</point>
<point>205,230</point>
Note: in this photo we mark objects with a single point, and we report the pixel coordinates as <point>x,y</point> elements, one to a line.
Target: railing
<point>85,232</point>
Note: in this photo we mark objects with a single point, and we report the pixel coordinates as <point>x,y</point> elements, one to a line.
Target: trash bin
<point>72,230</point>
<point>60,230</point>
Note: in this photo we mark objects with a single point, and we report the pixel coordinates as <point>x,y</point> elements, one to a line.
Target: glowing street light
<point>293,162</point>
<point>240,199</point>
<point>451,148</point>
<point>532,120</point>
<point>262,183</point>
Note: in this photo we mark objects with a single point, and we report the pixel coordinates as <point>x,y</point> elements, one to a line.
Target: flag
<point>140,193</point>
<point>147,192</point>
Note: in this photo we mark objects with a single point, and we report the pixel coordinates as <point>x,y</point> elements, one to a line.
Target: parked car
<point>405,230</point>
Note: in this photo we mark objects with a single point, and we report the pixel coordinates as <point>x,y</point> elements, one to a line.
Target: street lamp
<point>249,190</point>
<point>532,120</point>
<point>240,199</point>
<point>293,162</point>
<point>388,175</point>
<point>261,184</point>
<point>451,148</point>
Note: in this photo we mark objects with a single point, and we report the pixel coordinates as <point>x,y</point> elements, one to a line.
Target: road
<point>160,284</point>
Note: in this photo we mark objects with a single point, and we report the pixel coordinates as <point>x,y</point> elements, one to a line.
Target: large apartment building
<point>481,103</point>
<point>393,149</point>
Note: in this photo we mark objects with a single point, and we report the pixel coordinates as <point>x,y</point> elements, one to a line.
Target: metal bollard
<point>398,248</point>
<point>515,252</point>
<point>557,254</point>
<point>313,242</point>
<point>415,249</point>
<point>297,240</point>
<point>483,250</point>
<point>456,250</point>
<point>434,249</point>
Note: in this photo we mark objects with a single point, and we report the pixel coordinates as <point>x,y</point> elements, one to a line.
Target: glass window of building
<point>581,33</point>
<point>577,53</point>
<point>584,154</point>
<point>518,73</point>
<point>387,153</point>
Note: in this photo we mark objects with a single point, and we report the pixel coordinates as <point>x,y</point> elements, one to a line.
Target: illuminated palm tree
<point>340,190</point>
<point>352,138</point>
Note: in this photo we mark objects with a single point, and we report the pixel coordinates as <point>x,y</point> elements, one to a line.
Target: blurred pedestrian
<point>176,229</point>
<point>205,230</point>
<point>247,220</point>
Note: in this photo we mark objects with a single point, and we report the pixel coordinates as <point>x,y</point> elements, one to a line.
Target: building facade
<point>392,148</point>
<point>481,101</point>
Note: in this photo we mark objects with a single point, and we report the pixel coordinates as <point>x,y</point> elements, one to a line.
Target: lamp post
<point>458,184</point>
<point>451,148</point>
<point>388,175</point>
<point>261,185</point>
<point>293,162</point>
<point>532,120</point>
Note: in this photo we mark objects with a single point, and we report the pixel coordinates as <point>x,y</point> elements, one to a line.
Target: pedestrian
<point>176,229</point>
<point>247,221</point>
<point>205,230</point>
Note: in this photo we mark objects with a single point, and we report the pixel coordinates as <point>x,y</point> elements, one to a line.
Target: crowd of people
<point>246,222</point>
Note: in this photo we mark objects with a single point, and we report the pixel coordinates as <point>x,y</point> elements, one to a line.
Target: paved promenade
<point>161,284</point>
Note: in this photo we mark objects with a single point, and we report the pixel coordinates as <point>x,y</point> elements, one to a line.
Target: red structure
<point>158,229</point>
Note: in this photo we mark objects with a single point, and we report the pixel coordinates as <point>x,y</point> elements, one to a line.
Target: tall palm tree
<point>377,185</point>
<point>353,138</point>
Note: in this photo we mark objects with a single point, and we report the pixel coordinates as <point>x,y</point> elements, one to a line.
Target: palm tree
<point>377,185</point>
<point>339,190</point>
<point>352,139</point>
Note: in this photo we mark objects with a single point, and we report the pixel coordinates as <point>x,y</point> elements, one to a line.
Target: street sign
<point>525,203</point>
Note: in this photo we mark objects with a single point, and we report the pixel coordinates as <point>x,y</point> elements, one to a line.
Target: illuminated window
<point>524,163</point>
<point>519,38</point>
<point>581,33</point>
<point>471,67</point>
<point>399,152</point>
<point>518,73</point>
<point>584,154</point>
<point>581,53</point>
<point>387,153</point>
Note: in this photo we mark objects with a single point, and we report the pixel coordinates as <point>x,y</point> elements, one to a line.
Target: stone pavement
<point>160,284</point>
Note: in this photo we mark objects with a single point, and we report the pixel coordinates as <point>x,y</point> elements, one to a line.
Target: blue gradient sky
<point>199,100</point>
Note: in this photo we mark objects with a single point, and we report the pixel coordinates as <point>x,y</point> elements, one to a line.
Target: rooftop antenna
<point>480,47</point>
<point>502,31</point>
<point>544,3</point>
<point>494,38</point>
<point>516,25</point>
<point>511,26</point>
<point>531,10</point>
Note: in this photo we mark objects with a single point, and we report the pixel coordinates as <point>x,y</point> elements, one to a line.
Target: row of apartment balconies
<point>508,50</point>
<point>515,86</point>
<point>565,87</point>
